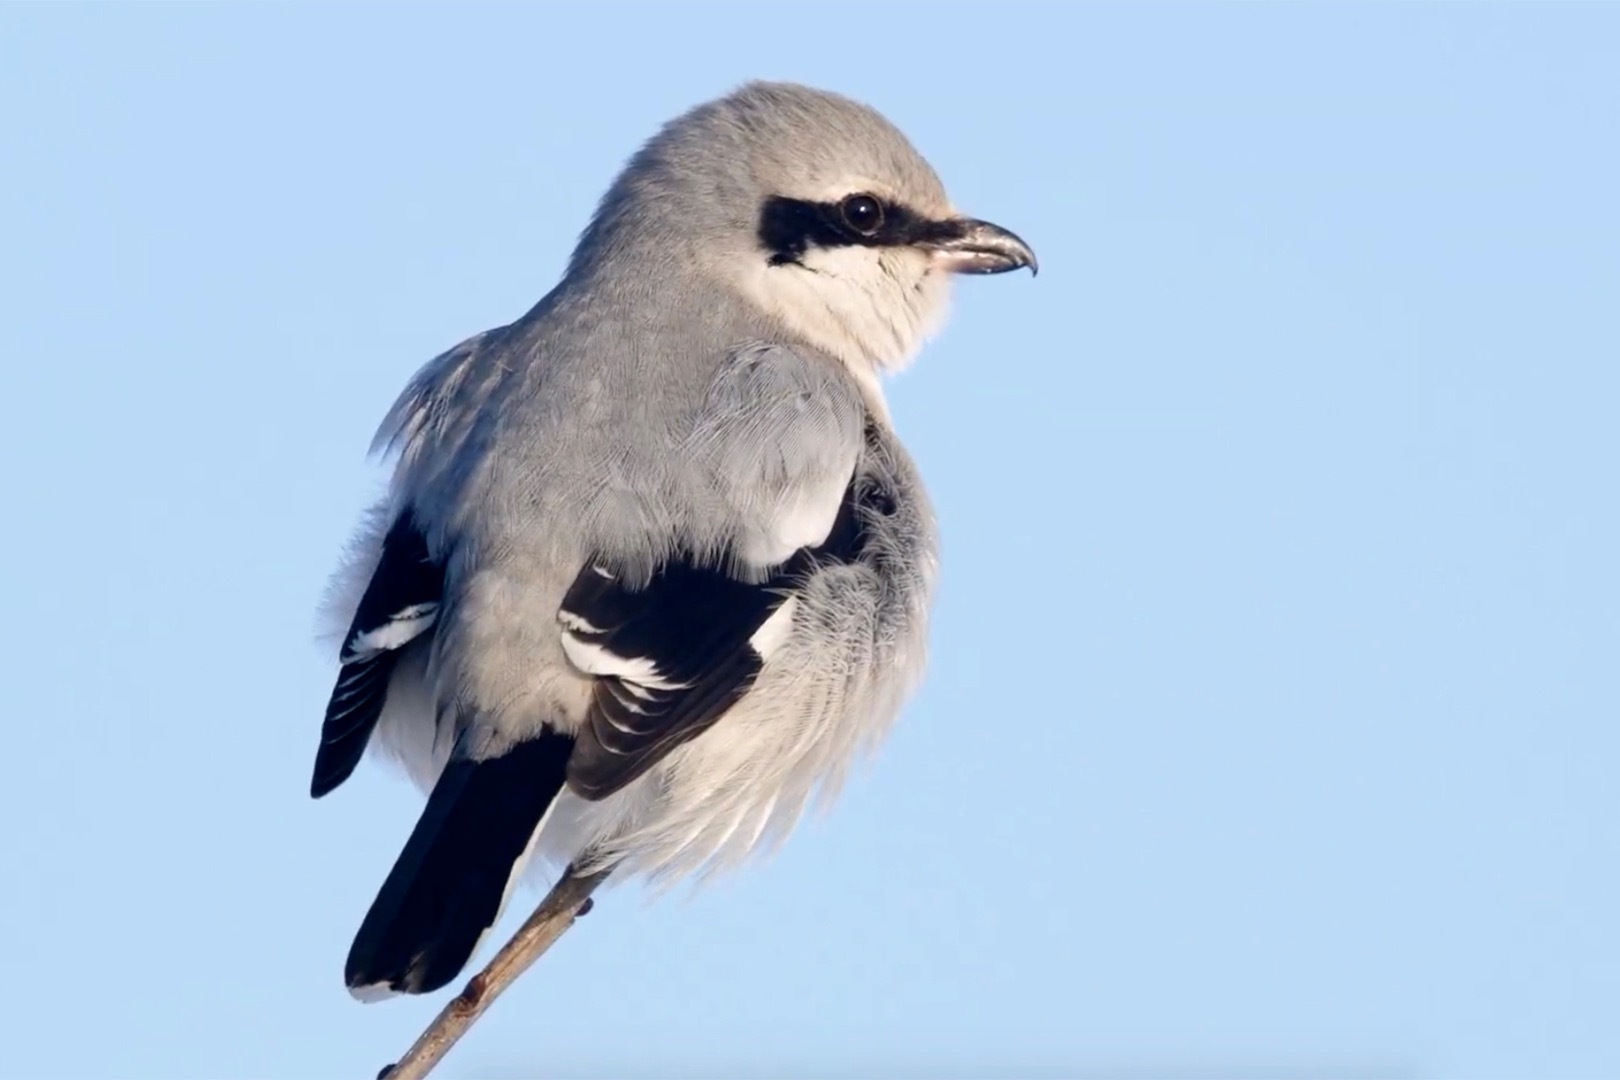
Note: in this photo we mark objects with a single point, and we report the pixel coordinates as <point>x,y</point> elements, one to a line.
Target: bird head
<point>814,207</point>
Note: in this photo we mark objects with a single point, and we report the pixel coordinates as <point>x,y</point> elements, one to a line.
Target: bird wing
<point>400,604</point>
<point>672,655</point>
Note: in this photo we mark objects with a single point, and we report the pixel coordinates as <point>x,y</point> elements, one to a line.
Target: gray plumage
<point>689,396</point>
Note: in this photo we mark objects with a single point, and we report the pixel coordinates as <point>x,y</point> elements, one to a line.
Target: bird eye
<point>862,213</point>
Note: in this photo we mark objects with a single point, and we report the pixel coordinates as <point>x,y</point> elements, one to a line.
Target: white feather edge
<point>403,628</point>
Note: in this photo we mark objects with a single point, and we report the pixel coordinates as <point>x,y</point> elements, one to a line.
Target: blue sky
<point>1271,727</point>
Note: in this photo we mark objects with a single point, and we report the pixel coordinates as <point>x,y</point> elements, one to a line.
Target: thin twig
<point>556,913</point>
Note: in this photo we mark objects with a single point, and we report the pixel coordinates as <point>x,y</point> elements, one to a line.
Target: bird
<point>653,568</point>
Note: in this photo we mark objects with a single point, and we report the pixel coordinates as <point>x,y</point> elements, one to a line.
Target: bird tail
<point>449,884</point>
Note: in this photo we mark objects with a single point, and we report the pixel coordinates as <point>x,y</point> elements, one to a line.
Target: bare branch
<point>567,900</point>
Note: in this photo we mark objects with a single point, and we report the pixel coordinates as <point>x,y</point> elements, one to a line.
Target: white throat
<point>872,308</point>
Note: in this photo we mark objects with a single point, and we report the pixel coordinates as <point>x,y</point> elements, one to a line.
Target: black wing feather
<point>406,580</point>
<point>693,624</point>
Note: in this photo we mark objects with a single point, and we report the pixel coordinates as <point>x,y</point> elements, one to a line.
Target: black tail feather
<point>446,889</point>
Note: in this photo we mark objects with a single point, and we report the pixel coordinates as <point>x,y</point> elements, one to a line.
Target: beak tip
<point>979,247</point>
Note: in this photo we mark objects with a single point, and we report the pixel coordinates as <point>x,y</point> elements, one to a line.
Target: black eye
<point>862,213</point>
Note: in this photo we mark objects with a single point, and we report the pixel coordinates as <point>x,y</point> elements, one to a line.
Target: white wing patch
<point>596,660</point>
<point>577,623</point>
<point>406,626</point>
<point>774,630</point>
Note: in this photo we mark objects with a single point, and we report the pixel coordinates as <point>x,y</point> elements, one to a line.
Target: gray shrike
<point>653,568</point>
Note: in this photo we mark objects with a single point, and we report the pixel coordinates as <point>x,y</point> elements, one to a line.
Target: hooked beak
<point>970,246</point>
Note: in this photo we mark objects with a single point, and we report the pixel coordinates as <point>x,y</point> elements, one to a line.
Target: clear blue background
<point>1271,728</point>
